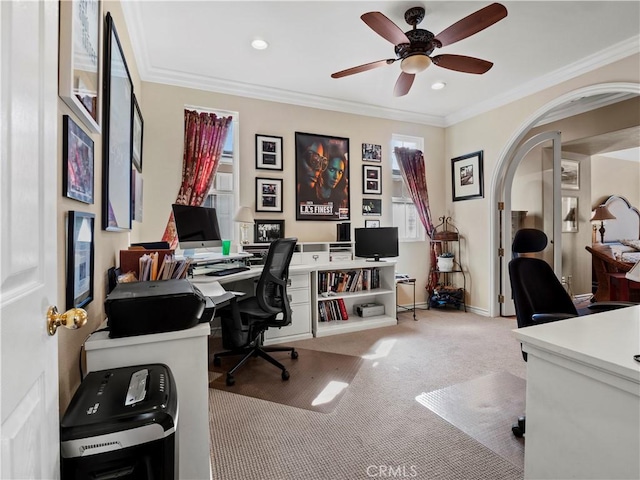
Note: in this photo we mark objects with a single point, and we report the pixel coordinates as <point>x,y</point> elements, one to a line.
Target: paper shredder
<point>122,424</point>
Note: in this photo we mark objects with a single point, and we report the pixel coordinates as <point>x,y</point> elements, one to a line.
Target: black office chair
<point>538,295</point>
<point>244,322</point>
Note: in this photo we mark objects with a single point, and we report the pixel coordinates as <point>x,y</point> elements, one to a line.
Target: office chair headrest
<point>529,240</point>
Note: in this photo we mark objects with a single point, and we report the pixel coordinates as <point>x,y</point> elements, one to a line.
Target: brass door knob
<point>72,319</point>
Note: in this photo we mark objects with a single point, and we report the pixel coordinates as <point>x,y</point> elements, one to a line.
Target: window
<point>405,215</point>
<point>223,193</point>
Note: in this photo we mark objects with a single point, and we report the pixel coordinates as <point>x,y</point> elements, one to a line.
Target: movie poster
<point>322,177</point>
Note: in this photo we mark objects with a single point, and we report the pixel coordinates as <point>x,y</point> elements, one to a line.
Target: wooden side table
<point>619,286</point>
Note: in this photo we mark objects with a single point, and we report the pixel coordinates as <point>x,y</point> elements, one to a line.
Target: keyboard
<point>226,271</point>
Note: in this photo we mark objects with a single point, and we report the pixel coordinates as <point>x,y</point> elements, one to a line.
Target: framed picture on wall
<point>371,152</point>
<point>77,162</point>
<point>268,195</point>
<point>80,252</point>
<point>322,177</point>
<point>467,180</point>
<point>371,180</point>
<point>570,174</point>
<point>268,152</point>
<point>117,132</point>
<point>372,207</point>
<point>79,60</point>
<point>138,130</point>
<point>372,224</point>
<point>266,231</point>
<point>569,214</point>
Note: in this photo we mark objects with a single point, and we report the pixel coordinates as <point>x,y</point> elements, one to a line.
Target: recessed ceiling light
<point>438,85</point>
<point>259,44</point>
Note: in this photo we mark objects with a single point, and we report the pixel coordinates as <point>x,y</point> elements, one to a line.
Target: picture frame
<point>79,60</point>
<point>322,177</point>
<point>372,224</point>
<point>467,176</point>
<point>371,180</point>
<point>117,126</point>
<point>371,152</point>
<point>570,214</point>
<point>138,132</point>
<point>80,258</point>
<point>77,162</point>
<point>371,207</point>
<point>268,152</point>
<point>136,195</point>
<point>570,174</point>
<point>268,194</point>
<point>266,231</point>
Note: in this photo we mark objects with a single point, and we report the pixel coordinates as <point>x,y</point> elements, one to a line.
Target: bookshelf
<point>336,291</point>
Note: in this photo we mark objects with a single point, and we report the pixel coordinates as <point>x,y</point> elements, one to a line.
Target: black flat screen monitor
<point>197,227</point>
<point>376,243</point>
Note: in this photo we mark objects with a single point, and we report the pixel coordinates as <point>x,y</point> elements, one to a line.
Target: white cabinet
<point>309,253</point>
<point>300,298</point>
<point>334,287</point>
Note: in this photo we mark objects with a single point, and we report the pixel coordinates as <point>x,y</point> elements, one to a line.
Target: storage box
<point>368,309</point>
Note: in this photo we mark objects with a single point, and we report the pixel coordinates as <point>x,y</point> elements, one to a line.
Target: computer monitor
<point>376,243</point>
<point>196,227</point>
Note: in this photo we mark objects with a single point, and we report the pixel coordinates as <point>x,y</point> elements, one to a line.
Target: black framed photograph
<point>77,162</point>
<point>266,231</point>
<point>371,180</point>
<point>138,130</point>
<point>372,207</point>
<point>80,253</point>
<point>569,214</point>
<point>117,129</point>
<point>322,177</point>
<point>268,194</point>
<point>371,152</point>
<point>570,174</point>
<point>136,195</point>
<point>467,180</point>
<point>268,152</point>
<point>79,60</point>
<point>372,224</point>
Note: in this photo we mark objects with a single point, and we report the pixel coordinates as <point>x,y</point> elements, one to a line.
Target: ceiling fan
<point>414,48</point>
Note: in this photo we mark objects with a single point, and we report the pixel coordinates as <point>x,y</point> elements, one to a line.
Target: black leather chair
<point>538,295</point>
<point>244,322</point>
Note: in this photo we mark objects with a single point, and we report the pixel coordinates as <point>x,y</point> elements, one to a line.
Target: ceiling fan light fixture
<point>415,63</point>
<point>259,44</point>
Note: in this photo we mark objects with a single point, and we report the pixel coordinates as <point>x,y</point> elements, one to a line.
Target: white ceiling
<point>206,45</point>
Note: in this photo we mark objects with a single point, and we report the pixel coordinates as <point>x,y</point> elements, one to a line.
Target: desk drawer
<point>300,323</point>
<point>311,258</point>
<point>300,280</point>
<point>298,296</point>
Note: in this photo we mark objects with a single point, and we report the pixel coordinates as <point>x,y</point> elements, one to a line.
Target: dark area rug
<point>485,408</point>
<point>318,379</point>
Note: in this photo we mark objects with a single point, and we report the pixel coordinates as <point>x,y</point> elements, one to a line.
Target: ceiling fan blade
<point>403,84</point>
<point>384,27</point>
<point>362,68</point>
<point>462,63</point>
<point>472,24</point>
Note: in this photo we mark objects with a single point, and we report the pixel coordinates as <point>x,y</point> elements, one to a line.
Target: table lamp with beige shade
<point>602,213</point>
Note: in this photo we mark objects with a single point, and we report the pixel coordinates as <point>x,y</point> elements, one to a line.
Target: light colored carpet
<point>318,380</point>
<point>378,426</point>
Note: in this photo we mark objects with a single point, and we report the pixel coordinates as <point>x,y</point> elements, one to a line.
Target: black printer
<point>141,308</point>
<point>122,423</point>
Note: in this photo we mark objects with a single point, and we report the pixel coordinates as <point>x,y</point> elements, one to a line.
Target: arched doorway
<point>506,164</point>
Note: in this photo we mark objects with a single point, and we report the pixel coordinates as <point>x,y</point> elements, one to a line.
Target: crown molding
<point>149,73</point>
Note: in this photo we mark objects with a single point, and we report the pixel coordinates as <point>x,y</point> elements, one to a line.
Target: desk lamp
<point>602,213</point>
<point>244,216</point>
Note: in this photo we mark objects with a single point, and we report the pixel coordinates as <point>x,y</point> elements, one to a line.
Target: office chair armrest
<point>605,306</point>
<point>540,318</point>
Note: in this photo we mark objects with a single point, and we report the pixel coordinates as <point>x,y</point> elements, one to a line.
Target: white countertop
<point>607,341</point>
<point>99,340</point>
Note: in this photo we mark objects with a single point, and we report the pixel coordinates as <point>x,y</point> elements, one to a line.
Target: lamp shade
<point>244,215</point>
<point>601,212</point>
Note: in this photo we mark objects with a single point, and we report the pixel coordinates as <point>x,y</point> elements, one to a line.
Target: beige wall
<point>106,243</point>
<point>614,176</point>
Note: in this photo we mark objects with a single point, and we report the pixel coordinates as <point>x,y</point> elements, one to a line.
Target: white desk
<point>583,397</point>
<point>185,353</point>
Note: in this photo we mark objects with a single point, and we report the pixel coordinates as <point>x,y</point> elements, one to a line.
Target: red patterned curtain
<point>411,164</point>
<point>204,137</point>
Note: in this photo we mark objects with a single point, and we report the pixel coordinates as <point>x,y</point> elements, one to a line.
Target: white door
<point>28,248</point>
<point>507,307</point>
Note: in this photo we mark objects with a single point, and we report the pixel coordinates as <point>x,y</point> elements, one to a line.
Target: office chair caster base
<point>285,375</point>
<point>230,380</point>
<point>519,428</point>
<point>294,354</point>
